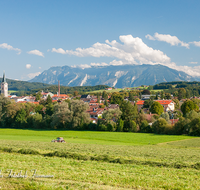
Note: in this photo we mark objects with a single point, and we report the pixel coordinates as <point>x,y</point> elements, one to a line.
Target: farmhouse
<point>168,105</point>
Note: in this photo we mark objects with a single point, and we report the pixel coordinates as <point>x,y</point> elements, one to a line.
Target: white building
<point>4,86</point>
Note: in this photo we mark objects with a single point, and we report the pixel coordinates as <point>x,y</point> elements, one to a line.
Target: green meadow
<point>99,160</point>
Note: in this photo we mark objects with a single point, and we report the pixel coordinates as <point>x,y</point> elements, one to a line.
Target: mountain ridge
<point>116,76</point>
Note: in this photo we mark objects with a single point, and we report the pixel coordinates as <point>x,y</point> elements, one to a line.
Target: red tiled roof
<point>140,102</point>
<point>60,96</point>
<point>164,102</point>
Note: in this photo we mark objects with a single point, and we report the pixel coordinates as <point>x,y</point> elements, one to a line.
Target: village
<point>98,104</point>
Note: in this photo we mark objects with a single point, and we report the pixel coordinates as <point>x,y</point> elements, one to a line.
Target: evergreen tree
<point>49,100</point>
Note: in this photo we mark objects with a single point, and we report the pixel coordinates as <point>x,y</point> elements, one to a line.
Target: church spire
<point>4,78</point>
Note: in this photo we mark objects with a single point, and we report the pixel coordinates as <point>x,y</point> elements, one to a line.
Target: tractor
<point>59,139</point>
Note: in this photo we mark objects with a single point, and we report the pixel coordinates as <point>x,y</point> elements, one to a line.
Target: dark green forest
<point>27,88</point>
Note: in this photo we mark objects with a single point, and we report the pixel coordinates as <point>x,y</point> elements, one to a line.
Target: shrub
<point>144,126</point>
<point>159,126</point>
<point>195,127</point>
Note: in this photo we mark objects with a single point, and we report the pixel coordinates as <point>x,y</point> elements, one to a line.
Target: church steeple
<point>4,86</point>
<point>4,78</point>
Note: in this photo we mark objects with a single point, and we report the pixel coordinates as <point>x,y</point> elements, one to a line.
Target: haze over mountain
<point>115,76</point>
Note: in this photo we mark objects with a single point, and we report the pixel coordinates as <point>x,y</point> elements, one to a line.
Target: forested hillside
<point>23,87</point>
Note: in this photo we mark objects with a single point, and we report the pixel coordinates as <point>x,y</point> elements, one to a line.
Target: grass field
<point>87,160</point>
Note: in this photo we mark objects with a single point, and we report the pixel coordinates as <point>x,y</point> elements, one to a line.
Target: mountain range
<point>114,76</point>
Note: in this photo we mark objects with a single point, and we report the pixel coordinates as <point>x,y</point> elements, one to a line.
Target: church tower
<point>4,86</point>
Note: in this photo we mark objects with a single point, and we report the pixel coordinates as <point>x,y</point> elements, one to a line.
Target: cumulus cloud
<point>32,75</point>
<point>173,40</point>
<point>9,47</point>
<point>131,50</point>
<point>36,52</point>
<point>28,66</point>
<point>195,43</point>
<point>59,50</point>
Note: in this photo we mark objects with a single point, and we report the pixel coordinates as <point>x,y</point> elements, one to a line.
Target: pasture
<point>99,160</point>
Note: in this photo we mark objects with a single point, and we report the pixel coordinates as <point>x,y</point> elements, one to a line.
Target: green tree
<point>130,126</point>
<point>159,126</point>
<point>104,95</point>
<point>195,127</point>
<point>120,125</point>
<point>181,93</point>
<point>187,106</point>
<point>20,117</point>
<point>98,98</point>
<point>167,96</point>
<point>146,92</point>
<point>75,93</point>
<point>111,114</point>
<point>79,116</point>
<point>37,121</point>
<point>49,100</point>
<point>131,96</point>
<point>4,101</point>
<point>116,98</point>
<point>145,127</point>
<point>38,96</point>
<point>188,94</point>
<point>129,111</point>
<point>62,116</point>
<point>148,103</point>
<point>177,105</point>
<point>156,108</point>
<point>49,109</point>
<point>165,116</point>
<point>162,95</point>
<point>106,103</point>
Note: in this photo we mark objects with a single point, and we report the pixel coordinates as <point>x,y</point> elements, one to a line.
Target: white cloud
<point>148,36</point>
<point>193,62</point>
<point>9,47</point>
<point>114,62</point>
<point>84,66</point>
<point>195,43</point>
<point>99,64</point>
<point>173,40</point>
<point>28,66</point>
<point>32,75</point>
<point>59,50</point>
<point>132,51</point>
<point>36,52</point>
<point>40,67</point>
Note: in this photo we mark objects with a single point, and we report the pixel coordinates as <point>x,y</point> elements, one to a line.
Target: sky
<point>36,35</point>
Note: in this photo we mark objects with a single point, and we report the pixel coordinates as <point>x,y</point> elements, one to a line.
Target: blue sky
<point>36,35</point>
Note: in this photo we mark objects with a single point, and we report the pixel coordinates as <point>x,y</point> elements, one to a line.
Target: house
<point>168,105</point>
<point>140,104</point>
<point>85,96</point>
<point>95,112</point>
<point>61,96</point>
<point>46,94</point>
<point>146,97</point>
<point>108,88</point>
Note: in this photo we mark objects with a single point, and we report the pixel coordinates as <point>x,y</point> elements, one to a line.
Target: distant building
<point>4,86</point>
<point>168,105</point>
